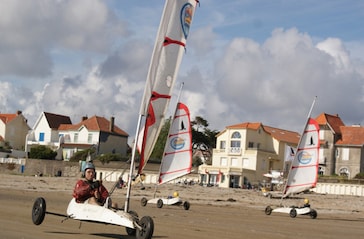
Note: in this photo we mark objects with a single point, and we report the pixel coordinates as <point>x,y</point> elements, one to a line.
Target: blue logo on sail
<point>177,143</point>
<point>186,18</point>
<point>304,157</point>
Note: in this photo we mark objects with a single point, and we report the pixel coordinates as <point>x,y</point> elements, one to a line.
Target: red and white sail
<point>177,159</point>
<point>167,55</point>
<point>304,168</point>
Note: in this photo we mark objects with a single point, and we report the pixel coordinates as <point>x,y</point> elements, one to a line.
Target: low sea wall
<point>339,189</point>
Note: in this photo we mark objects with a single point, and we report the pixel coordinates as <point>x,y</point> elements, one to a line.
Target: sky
<point>245,60</point>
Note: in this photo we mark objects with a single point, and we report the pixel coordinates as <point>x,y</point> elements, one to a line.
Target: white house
<point>96,132</point>
<point>45,131</point>
<point>58,133</point>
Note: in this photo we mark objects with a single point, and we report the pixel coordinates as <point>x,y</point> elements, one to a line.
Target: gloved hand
<point>95,184</point>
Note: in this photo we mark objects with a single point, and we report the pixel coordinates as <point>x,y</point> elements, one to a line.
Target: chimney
<point>18,112</point>
<point>84,118</point>
<point>112,121</point>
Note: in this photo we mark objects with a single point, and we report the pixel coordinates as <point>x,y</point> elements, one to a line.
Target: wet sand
<point>214,213</point>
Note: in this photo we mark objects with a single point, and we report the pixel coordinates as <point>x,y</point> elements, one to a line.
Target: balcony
<point>235,151</point>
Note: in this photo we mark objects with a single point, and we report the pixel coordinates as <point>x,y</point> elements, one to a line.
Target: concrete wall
<point>339,189</point>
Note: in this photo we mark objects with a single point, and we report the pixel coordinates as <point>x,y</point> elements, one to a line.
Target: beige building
<point>246,151</point>
<point>13,130</point>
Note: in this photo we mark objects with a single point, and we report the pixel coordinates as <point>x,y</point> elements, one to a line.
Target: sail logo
<point>186,18</point>
<point>177,143</point>
<point>304,157</point>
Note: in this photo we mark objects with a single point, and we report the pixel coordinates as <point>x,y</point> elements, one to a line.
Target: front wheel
<point>144,202</point>
<point>160,203</point>
<point>146,228</point>
<point>313,213</point>
<point>186,205</point>
<point>268,210</point>
<point>293,213</point>
<point>38,211</point>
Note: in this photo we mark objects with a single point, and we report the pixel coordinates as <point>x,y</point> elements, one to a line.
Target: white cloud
<point>84,58</point>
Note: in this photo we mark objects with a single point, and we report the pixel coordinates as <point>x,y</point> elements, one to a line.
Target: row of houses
<point>243,153</point>
<point>58,133</point>
<point>246,151</point>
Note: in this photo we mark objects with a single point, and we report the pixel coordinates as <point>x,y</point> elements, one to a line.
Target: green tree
<point>158,150</point>
<point>42,152</point>
<point>203,138</point>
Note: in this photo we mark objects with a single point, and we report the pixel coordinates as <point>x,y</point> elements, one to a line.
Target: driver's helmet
<point>175,194</point>
<point>306,201</point>
<point>88,165</point>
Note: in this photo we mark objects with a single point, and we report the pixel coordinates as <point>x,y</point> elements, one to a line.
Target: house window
<point>89,138</point>
<point>236,135</point>
<point>223,161</point>
<point>75,137</point>
<point>222,144</point>
<point>258,145</point>
<point>235,140</point>
<point>234,162</point>
<point>344,172</point>
<point>245,162</point>
<point>235,144</point>
<point>41,137</point>
<point>322,134</point>
<point>251,145</point>
<point>345,154</point>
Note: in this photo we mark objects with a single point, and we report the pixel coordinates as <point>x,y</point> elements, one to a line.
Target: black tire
<point>160,203</point>
<point>186,205</point>
<point>147,228</point>
<point>38,211</point>
<point>143,202</point>
<point>132,231</point>
<point>268,210</point>
<point>293,213</point>
<point>313,214</point>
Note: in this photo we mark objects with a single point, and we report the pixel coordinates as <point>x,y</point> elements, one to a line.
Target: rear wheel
<point>268,210</point>
<point>146,228</point>
<point>293,213</point>
<point>186,205</point>
<point>38,211</point>
<point>313,213</point>
<point>160,203</point>
<point>144,202</point>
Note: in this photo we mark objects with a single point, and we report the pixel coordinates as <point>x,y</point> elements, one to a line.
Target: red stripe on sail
<point>150,120</point>
<point>168,41</point>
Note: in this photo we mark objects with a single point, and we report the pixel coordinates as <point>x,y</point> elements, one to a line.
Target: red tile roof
<point>279,134</point>
<point>334,121</point>
<point>95,123</point>
<point>246,125</point>
<point>351,135</point>
<point>283,135</point>
<point>6,118</point>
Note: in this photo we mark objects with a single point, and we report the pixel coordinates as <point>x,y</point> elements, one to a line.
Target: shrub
<point>42,152</point>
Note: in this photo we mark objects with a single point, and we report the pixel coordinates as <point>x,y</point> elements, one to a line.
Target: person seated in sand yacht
<point>90,190</point>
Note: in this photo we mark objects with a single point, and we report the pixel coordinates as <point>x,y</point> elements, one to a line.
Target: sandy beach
<point>214,212</point>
